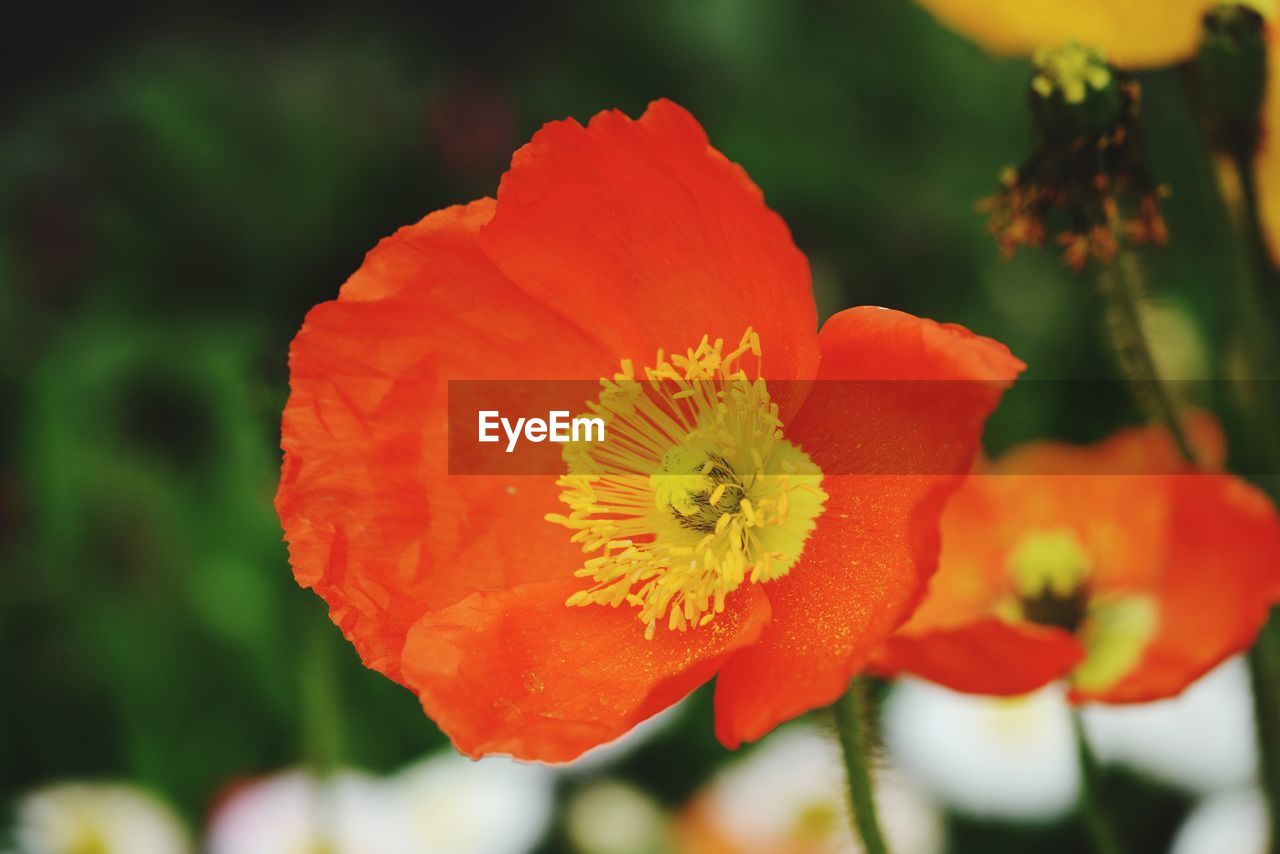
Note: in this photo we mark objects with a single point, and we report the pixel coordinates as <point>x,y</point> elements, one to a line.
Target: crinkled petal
<point>519,672</point>
<point>644,232</point>
<point>374,523</point>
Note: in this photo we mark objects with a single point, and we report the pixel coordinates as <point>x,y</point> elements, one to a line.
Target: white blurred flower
<point>70,818</point>
<point>446,804</point>
<point>298,813</point>
<point>1234,822</point>
<point>610,817</point>
<point>788,794</point>
<point>1201,741</point>
<point>453,805</point>
<point>1006,758</point>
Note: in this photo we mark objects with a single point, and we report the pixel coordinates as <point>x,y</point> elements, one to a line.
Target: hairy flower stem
<point>1101,830</point>
<point>853,725</point>
<point>1122,284</point>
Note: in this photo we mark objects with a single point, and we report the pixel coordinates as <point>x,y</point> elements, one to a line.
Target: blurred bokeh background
<point>177,188</point>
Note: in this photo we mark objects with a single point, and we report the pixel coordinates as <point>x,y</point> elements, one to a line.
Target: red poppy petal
<point>642,231</point>
<point>1134,450</point>
<point>985,657</point>
<point>519,672</point>
<point>972,577</point>
<point>373,523</point>
<point>1222,578</point>
<point>865,564</point>
<point>874,343</point>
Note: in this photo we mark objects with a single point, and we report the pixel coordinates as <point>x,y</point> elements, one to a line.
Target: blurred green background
<point>177,188</point>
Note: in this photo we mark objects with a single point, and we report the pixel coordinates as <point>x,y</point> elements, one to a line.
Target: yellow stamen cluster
<point>1072,69</point>
<point>694,490</point>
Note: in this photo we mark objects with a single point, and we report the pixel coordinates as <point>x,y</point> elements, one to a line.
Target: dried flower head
<point>1086,185</point>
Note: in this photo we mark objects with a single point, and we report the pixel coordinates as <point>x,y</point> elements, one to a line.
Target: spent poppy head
<point>732,521</point>
<point>1115,566</point>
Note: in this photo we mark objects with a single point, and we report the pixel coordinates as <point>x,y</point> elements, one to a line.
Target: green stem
<point>1264,669</point>
<point>1122,284</point>
<point>1258,310</point>
<point>1256,250</point>
<point>1259,313</point>
<point>321,726</point>
<point>853,725</point>
<point>321,708</point>
<point>1101,830</point>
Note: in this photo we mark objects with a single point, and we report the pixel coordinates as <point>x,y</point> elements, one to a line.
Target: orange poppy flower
<point>539,615</point>
<point>1132,33</point>
<point>1115,566</point>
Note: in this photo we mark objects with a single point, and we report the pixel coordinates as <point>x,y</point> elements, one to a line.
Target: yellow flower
<point>1132,33</point>
<point>1267,163</point>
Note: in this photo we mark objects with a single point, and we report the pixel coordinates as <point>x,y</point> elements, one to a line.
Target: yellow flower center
<point>694,490</point>
<point>1051,571</point>
<point>1072,69</point>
